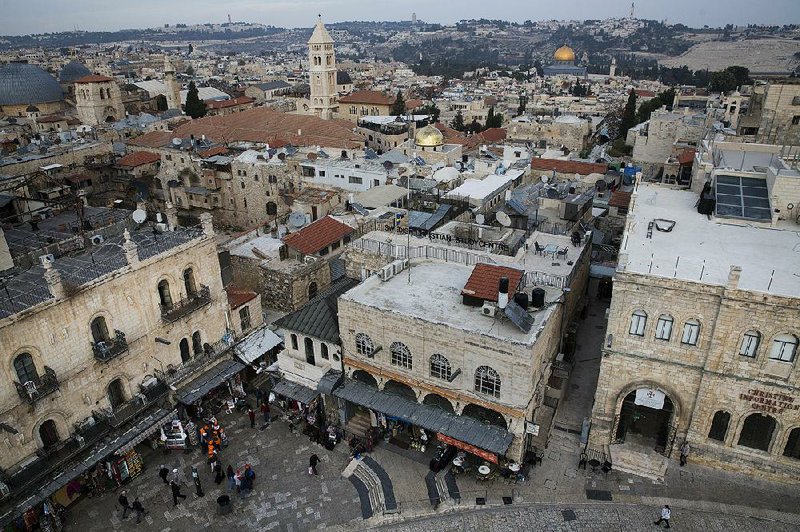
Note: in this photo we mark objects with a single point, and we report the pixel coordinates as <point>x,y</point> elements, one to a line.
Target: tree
<point>523,102</point>
<point>191,48</point>
<point>430,109</point>
<point>399,107</point>
<point>493,119</point>
<point>195,107</point>
<point>742,75</point>
<point>190,70</point>
<point>722,81</point>
<point>628,115</point>
<point>458,121</point>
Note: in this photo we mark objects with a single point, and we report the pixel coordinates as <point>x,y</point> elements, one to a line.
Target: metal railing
<point>38,388</point>
<point>210,353</point>
<point>178,309</point>
<point>108,349</point>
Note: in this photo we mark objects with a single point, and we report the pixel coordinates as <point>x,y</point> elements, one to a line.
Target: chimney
<point>172,215</point>
<point>53,278</point>
<point>207,221</point>
<point>502,294</point>
<point>130,248</point>
<point>733,277</point>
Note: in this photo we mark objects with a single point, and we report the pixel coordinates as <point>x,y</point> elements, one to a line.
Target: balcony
<point>140,402</point>
<point>108,349</point>
<point>43,386</point>
<point>184,307</point>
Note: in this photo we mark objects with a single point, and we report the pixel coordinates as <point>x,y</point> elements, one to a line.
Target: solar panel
<point>359,209</point>
<point>519,316</point>
<point>517,206</point>
<point>742,197</point>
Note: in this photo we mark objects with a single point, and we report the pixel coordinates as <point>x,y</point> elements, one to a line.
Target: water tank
<point>521,299</point>
<point>537,297</point>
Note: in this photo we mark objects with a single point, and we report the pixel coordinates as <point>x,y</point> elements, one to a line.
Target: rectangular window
<point>795,120</point>
<point>749,344</point>
<point>244,318</point>
<point>664,328</point>
<point>322,173</point>
<point>784,348</point>
<point>691,333</point>
<point>356,180</point>
<point>638,322</point>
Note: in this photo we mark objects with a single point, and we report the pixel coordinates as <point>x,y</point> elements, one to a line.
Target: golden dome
<point>564,53</point>
<point>429,136</point>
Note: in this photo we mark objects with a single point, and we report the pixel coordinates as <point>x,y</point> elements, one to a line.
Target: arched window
<point>294,341</point>
<point>664,327</point>
<point>638,323</point>
<point>309,344</point>
<point>272,208</point>
<point>197,343</point>
<point>312,290</point>
<point>784,348</point>
<point>750,342</point>
<point>48,432</point>
<point>99,330</point>
<point>440,367</point>
<point>323,351</point>
<point>757,431</point>
<point>163,294</point>
<point>185,354</point>
<point>401,356</point>
<point>188,282</point>
<point>691,332</point>
<point>487,381</point>
<point>116,393</point>
<point>792,449</point>
<point>719,426</point>
<point>364,345</point>
<point>25,368</point>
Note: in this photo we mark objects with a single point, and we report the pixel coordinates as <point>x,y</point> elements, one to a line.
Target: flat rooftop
<point>703,250</point>
<point>434,296</point>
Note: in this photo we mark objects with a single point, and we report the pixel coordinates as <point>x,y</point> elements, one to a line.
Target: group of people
<point>127,506</point>
<point>241,479</point>
<point>212,437</point>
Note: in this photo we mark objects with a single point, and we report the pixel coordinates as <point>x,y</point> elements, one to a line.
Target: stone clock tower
<point>324,100</point>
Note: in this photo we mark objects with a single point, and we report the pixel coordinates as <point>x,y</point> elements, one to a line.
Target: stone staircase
<point>639,460</point>
<point>358,425</point>
<point>373,485</point>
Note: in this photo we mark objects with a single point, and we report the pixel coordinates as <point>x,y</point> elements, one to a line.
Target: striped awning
<point>145,428</point>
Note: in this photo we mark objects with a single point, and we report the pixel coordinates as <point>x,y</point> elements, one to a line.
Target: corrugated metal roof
<point>209,380</point>
<point>295,391</point>
<point>463,428</point>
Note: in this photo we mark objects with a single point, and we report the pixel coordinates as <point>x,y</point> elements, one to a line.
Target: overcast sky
<point>41,16</point>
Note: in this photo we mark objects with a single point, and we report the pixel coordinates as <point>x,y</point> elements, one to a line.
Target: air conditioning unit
<point>399,265</point>
<point>97,240</point>
<point>46,258</point>
<point>308,259</point>
<point>488,309</point>
<point>161,228</point>
<point>30,387</point>
<point>140,398</point>
<point>387,272</point>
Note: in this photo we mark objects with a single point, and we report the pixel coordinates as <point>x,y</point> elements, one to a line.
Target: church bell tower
<point>324,101</point>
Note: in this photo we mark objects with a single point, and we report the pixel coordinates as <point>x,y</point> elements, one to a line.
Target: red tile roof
<point>484,281</point>
<point>620,198</point>
<point>494,134</point>
<point>262,124</point>
<point>317,236</point>
<point>138,158</point>
<point>154,139</point>
<point>216,150</point>
<point>223,104</point>
<point>93,78</point>
<point>644,93</point>
<point>238,297</point>
<point>50,119</point>
<point>569,167</point>
<point>687,157</point>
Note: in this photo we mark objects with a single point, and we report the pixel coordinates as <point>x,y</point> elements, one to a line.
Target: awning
<point>463,428</point>
<point>599,271</point>
<point>142,430</point>
<point>256,344</point>
<point>209,380</point>
<point>329,381</point>
<point>295,391</point>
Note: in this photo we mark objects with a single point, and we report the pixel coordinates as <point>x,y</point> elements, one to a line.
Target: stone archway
<point>438,401</point>
<point>487,416</point>
<point>646,416</point>
<point>365,378</point>
<point>401,389</point>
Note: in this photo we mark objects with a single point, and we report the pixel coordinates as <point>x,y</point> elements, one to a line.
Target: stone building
<point>172,92</point>
<point>430,339</point>
<point>773,114</point>
<point>565,131</point>
<point>323,100</point>
<point>98,100</point>
<point>87,338</point>
<point>703,333</point>
<point>563,64</point>
<point>653,140</point>
<point>22,85</point>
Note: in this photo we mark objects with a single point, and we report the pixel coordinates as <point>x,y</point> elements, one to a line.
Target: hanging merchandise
<point>173,435</point>
<point>191,433</point>
<point>134,462</point>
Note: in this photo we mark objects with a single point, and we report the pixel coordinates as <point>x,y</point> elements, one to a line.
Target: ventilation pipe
<point>502,295</point>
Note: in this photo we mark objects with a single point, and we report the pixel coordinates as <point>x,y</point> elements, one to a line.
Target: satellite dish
<point>479,219</point>
<point>601,185</point>
<point>177,142</point>
<point>544,179</point>
<point>503,218</point>
<point>139,216</point>
<point>297,220</point>
<point>282,156</point>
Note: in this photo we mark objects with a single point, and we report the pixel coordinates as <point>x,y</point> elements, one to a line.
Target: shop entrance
<point>645,418</point>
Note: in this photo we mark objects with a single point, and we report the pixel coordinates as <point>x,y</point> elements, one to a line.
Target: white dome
<point>445,175</point>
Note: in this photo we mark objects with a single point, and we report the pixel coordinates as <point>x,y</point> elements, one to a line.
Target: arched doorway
<point>164,296</point>
<point>489,417</point>
<point>312,290</point>
<point>185,354</point>
<point>401,389</point>
<point>645,418</point>
<point>438,401</point>
<point>362,376</point>
<point>116,393</point>
<point>48,432</point>
<point>197,343</point>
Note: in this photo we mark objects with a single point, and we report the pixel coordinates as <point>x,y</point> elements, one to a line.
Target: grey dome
<point>21,83</point>
<point>72,71</point>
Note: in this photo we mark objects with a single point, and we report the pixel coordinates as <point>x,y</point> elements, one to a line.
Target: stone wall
<point>281,288</point>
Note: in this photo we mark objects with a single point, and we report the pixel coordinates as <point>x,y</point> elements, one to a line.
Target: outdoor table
<point>594,463</point>
<point>550,249</point>
<point>514,467</point>
<point>458,461</point>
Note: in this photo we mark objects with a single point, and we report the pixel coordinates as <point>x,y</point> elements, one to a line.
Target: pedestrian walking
<point>231,478</point>
<point>163,472</point>
<point>139,509</point>
<point>265,412</point>
<point>250,475</point>
<point>312,464</point>
<point>666,513</point>
<point>123,501</point>
<point>237,479</point>
<point>219,476</point>
<point>176,492</point>
<point>685,453</point>
<point>252,416</point>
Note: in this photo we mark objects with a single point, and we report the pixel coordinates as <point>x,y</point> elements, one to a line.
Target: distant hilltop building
<point>564,64</point>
